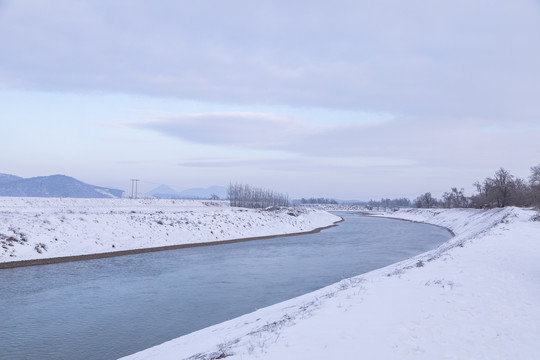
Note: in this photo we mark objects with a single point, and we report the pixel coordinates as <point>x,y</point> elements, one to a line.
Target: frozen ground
<point>475,297</point>
<point>39,228</point>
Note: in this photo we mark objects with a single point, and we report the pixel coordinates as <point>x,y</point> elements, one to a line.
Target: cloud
<point>402,141</point>
<point>256,131</point>
<point>302,164</point>
<point>236,129</point>
<point>283,164</point>
<point>448,58</point>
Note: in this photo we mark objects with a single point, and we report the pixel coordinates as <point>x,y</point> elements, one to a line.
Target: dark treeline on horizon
<point>500,190</point>
<point>503,189</point>
<point>317,201</point>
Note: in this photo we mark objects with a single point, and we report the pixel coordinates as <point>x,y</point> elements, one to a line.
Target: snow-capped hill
<point>54,186</point>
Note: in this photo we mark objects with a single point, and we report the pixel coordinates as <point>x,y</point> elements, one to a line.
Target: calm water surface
<point>108,308</point>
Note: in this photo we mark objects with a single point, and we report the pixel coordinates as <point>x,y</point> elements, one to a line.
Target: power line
<point>134,184</point>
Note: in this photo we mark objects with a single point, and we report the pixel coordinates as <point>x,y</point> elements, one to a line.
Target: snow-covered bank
<point>40,228</point>
<point>475,297</point>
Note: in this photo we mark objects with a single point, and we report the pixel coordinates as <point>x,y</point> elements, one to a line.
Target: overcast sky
<point>343,99</point>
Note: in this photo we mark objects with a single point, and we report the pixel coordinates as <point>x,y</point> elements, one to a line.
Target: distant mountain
<point>53,186</point>
<point>166,192</point>
<point>205,193</point>
<point>6,178</point>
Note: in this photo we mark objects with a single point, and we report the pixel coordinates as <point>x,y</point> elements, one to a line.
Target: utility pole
<point>134,184</point>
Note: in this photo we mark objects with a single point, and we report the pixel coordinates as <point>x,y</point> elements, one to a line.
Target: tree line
<point>241,195</point>
<point>500,190</point>
<point>312,200</point>
<point>389,203</point>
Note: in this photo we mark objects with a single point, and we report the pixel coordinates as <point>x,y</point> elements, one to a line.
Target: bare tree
<point>534,181</point>
<point>502,190</point>
<point>425,201</point>
<point>482,198</point>
<point>455,199</point>
<point>247,196</point>
<point>522,193</point>
<point>535,175</point>
<point>494,192</point>
<point>502,187</point>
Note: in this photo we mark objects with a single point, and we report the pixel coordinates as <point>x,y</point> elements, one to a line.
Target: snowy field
<point>475,297</point>
<point>39,228</point>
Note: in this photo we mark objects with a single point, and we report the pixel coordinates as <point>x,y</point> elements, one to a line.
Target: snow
<point>475,297</point>
<point>40,228</point>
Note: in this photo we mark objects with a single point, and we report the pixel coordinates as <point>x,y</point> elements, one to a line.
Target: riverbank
<point>475,297</point>
<point>37,231</point>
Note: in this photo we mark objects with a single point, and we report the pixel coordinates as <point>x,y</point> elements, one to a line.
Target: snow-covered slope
<point>38,228</point>
<point>475,297</point>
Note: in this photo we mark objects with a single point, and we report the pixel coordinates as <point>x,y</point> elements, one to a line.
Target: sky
<point>342,99</point>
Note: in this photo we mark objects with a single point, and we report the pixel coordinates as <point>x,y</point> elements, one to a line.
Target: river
<point>112,307</point>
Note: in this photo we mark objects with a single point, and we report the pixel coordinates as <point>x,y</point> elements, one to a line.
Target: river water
<point>108,308</point>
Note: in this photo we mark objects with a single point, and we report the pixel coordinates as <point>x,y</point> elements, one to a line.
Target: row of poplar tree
<point>241,195</point>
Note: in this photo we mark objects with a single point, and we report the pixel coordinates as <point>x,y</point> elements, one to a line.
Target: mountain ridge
<point>58,185</point>
<point>166,192</point>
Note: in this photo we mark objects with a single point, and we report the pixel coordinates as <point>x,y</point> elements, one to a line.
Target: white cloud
<point>296,164</point>
<point>401,141</point>
<point>259,131</point>
<point>236,129</point>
